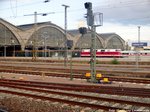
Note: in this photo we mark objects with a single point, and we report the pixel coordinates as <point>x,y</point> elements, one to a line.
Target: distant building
<point>103,41</point>
<point>26,37</point>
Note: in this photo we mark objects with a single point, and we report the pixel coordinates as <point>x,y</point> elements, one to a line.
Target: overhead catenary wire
<point>110,6</point>
<point>24,5</point>
<point>12,8</point>
<point>121,4</point>
<point>117,4</point>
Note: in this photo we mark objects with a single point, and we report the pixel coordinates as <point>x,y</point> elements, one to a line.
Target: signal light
<point>90,17</point>
<point>88,5</point>
<point>46,1</point>
<point>83,30</point>
<point>44,14</point>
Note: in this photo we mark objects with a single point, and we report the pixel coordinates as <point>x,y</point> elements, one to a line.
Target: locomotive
<point>109,53</point>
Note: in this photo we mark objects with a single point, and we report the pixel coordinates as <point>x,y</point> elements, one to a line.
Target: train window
<point>102,50</point>
<point>125,53</point>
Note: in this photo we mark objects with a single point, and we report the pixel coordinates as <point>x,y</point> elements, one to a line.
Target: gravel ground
<point>66,80</point>
<point>22,104</point>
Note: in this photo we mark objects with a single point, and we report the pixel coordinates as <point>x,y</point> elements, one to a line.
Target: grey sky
<point>126,11</point>
<point>122,11</point>
<point>120,16</point>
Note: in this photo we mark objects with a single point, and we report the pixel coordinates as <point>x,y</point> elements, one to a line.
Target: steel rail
<point>77,60</point>
<point>78,95</point>
<point>75,70</point>
<point>94,86</point>
<point>112,78</point>
<point>82,104</point>
<point>105,90</point>
<point>74,64</point>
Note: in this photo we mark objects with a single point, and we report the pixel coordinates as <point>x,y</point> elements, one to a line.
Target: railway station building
<point>103,41</point>
<point>49,36</point>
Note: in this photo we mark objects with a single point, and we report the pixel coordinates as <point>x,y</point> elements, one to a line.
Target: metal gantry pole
<point>94,66</point>
<point>13,42</point>
<point>137,49</point>
<point>14,50</point>
<point>5,44</point>
<point>93,55</point>
<point>34,38</point>
<point>91,22</point>
<point>66,47</point>
<point>45,48</point>
<point>71,72</point>
<point>139,34</point>
<point>34,53</point>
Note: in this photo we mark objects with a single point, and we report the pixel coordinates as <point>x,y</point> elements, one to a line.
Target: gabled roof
<point>106,35</point>
<point>29,26</point>
<point>7,22</point>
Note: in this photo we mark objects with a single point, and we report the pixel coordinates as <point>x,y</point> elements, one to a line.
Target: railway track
<point>74,60</point>
<point>78,66</point>
<point>73,64</point>
<point>38,87</point>
<point>126,91</point>
<point>65,73</point>
<point>107,70</point>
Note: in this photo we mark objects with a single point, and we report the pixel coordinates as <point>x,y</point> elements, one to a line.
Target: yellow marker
<point>105,80</point>
<point>88,75</point>
<point>98,75</point>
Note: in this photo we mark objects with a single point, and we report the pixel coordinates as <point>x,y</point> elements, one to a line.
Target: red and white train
<point>102,53</point>
<point>112,53</point>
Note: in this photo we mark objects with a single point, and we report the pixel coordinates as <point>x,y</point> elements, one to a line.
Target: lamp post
<point>45,46</point>
<point>31,43</point>
<point>138,48</point>
<point>34,39</point>
<point>35,36</point>
<point>66,47</point>
<point>5,45</point>
<point>13,42</point>
<point>139,34</point>
<point>43,53</point>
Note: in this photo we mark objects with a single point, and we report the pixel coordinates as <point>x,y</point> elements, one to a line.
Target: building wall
<point>53,36</point>
<point>84,42</point>
<point>111,41</point>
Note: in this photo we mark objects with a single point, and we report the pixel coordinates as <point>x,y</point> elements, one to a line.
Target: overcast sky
<point>119,16</point>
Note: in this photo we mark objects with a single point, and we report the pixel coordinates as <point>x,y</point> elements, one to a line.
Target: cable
<point>28,4</point>
<point>122,5</point>
<point>16,8</point>
<point>12,8</point>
